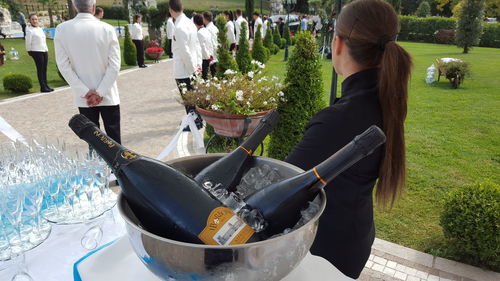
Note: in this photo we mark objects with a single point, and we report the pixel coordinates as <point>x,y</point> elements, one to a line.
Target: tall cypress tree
<point>243,57</point>
<point>277,37</point>
<point>249,8</point>
<point>129,50</point>
<point>259,51</point>
<point>303,95</point>
<point>226,60</point>
<point>469,26</point>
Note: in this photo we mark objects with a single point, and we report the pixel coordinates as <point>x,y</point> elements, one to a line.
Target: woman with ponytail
<point>376,71</point>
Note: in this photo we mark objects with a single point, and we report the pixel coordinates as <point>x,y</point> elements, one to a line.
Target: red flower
<point>154,50</point>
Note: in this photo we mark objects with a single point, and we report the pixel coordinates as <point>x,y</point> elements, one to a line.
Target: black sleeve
<point>324,135</point>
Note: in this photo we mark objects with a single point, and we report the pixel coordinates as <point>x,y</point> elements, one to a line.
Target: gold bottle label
<point>224,227</point>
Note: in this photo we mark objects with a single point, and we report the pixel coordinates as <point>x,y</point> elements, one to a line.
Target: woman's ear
<point>338,45</point>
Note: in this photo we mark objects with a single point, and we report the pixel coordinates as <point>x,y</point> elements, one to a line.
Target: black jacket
<point>346,229</point>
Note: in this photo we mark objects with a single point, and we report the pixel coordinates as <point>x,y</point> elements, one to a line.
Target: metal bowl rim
<point>204,246</point>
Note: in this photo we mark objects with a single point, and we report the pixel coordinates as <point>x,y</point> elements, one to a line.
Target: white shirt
<point>206,44</point>
<point>256,24</point>
<point>35,40</point>
<point>136,31</point>
<point>170,28</point>
<point>238,28</point>
<point>88,56</point>
<point>264,28</point>
<point>185,48</point>
<point>231,37</point>
<point>214,32</point>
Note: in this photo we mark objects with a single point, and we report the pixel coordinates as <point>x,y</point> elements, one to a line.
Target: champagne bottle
<point>280,203</point>
<point>226,172</point>
<point>167,202</point>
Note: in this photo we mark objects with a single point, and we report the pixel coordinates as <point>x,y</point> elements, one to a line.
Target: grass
<point>26,65</point>
<point>452,138</point>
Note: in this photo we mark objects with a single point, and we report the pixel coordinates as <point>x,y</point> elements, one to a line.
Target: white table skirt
<point>54,259</point>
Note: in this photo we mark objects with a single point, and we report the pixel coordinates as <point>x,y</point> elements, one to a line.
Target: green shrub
<point>471,220</point>
<point>276,36</point>
<point>491,35</point>
<point>283,43</point>
<point>422,29</point>
<point>167,46</point>
<point>269,38</point>
<point>303,96</point>
<point>115,12</point>
<point>286,34</point>
<point>243,57</point>
<point>224,56</point>
<point>423,10</point>
<point>456,71</point>
<point>17,83</point>
<point>129,51</point>
<point>258,51</point>
<point>293,40</point>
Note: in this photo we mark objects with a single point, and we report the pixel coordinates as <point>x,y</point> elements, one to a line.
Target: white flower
<point>239,95</point>
<point>275,78</point>
<point>264,103</point>
<point>281,94</point>
<point>272,99</point>
<point>279,85</point>
<point>251,74</point>
<point>248,103</point>
<point>184,90</point>
<point>224,81</point>
<point>262,79</point>
<point>215,79</point>
<point>229,72</point>
<point>208,97</point>
<point>215,107</point>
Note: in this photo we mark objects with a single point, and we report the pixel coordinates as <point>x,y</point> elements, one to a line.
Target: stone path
<point>150,117</point>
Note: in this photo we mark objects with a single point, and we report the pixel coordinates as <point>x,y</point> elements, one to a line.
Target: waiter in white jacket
<point>257,21</point>
<point>214,33</point>
<point>136,34</point>
<point>206,44</point>
<point>170,33</point>
<point>88,57</point>
<point>231,36</point>
<point>240,20</point>
<point>187,52</point>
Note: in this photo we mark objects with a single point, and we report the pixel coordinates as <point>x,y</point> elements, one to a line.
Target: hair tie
<point>383,40</point>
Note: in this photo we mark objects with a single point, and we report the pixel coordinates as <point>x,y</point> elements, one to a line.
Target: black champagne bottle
<point>167,202</point>
<point>280,203</point>
<point>226,172</point>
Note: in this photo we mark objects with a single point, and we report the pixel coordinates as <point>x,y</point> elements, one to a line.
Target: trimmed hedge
<point>17,83</point>
<point>258,50</point>
<point>243,57</point>
<point>471,220</point>
<point>129,50</point>
<point>423,29</point>
<point>111,12</point>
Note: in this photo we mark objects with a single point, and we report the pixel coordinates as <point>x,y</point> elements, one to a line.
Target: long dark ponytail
<point>370,28</point>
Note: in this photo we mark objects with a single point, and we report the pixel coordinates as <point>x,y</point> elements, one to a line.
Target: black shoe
<point>50,89</point>
<point>46,90</point>
<point>143,66</point>
<point>186,129</point>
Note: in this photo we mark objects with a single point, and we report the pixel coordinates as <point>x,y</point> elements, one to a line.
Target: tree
<point>155,17</point>
<point>129,50</point>
<point>303,95</point>
<point>243,57</point>
<point>276,36</point>
<point>269,38</point>
<point>302,6</point>
<point>50,4</point>
<point>396,4</point>
<point>424,9</point>
<point>226,60</point>
<point>259,51</point>
<point>286,34</point>
<point>249,8</point>
<point>469,24</point>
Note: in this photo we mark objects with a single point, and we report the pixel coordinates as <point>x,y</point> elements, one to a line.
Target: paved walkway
<point>150,117</point>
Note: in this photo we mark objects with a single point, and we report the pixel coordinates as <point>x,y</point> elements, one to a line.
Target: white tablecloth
<point>54,259</point>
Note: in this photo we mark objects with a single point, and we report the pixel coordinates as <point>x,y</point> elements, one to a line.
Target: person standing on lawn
<point>376,72</point>
<point>187,53</point>
<point>240,19</point>
<point>88,57</point>
<point>214,33</point>
<point>231,36</point>
<point>256,22</point>
<point>99,13</point>
<point>21,19</point>
<point>206,44</point>
<point>136,34</point>
<point>36,46</point>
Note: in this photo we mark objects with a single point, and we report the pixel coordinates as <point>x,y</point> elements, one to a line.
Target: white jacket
<point>238,28</point>
<point>264,28</point>
<point>206,44</point>
<point>231,37</point>
<point>88,56</point>
<point>185,48</point>
<point>214,32</point>
<point>136,31</point>
<point>256,25</point>
<point>170,28</point>
<point>36,40</point>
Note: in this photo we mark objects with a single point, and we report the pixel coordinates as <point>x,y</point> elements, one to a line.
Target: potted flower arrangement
<point>235,104</point>
<point>154,52</point>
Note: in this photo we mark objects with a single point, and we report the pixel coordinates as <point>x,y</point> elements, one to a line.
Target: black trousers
<point>139,45</point>
<point>233,47</point>
<point>41,61</point>
<point>23,26</point>
<point>189,108</point>
<point>205,67</point>
<point>110,116</point>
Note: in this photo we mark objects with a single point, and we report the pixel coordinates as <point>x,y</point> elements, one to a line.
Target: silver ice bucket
<point>271,259</point>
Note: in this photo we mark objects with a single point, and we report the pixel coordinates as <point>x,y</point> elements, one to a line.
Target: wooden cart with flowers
<point>234,104</point>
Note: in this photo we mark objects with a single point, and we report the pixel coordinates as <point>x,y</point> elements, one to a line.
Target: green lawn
<point>452,137</point>
<point>26,65</point>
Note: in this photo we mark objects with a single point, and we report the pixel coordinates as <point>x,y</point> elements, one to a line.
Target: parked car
<point>293,21</point>
<point>491,20</point>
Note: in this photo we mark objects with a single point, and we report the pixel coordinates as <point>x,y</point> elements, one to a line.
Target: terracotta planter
<point>233,126</point>
<point>154,56</point>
